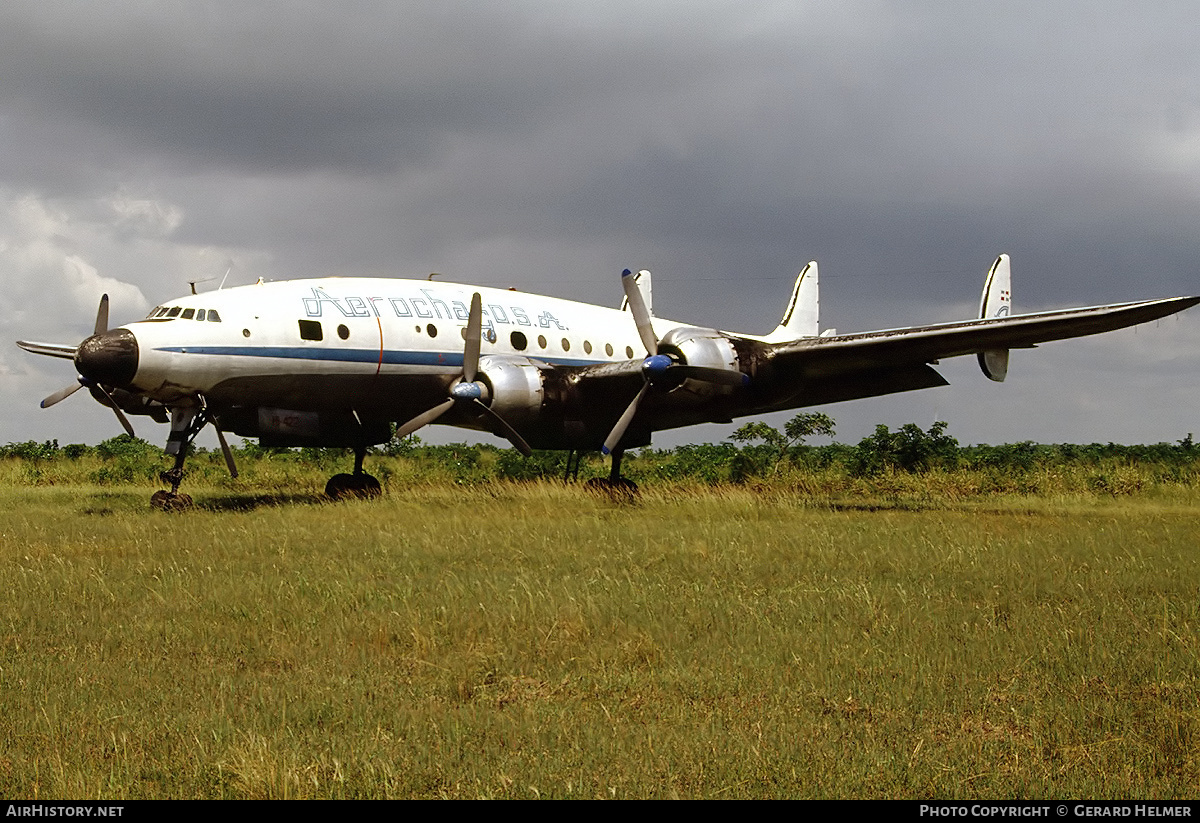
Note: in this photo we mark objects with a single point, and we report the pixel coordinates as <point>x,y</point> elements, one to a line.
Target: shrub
<point>908,449</point>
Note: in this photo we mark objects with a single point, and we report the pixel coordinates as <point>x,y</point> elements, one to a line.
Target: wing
<point>847,366</point>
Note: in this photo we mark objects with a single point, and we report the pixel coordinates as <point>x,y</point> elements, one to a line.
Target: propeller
<point>657,365</point>
<point>93,387</point>
<point>467,389</point>
<point>103,354</point>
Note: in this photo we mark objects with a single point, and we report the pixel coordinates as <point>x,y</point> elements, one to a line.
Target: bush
<point>541,465</point>
<point>908,449</point>
<point>31,450</point>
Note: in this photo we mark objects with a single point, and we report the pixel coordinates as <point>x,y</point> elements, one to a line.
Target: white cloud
<point>144,216</point>
<point>49,284</point>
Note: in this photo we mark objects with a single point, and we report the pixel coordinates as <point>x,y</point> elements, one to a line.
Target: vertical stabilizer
<point>996,302</point>
<point>642,278</point>
<point>802,317</point>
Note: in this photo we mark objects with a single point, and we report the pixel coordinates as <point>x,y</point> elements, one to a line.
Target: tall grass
<point>501,639</point>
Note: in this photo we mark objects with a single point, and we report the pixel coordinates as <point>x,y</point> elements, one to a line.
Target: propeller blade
<point>424,419</point>
<point>641,314</point>
<point>618,431</point>
<point>722,377</point>
<point>61,394</point>
<point>102,315</point>
<point>509,432</point>
<point>117,411</point>
<point>474,335</point>
<point>49,349</point>
<point>233,472</point>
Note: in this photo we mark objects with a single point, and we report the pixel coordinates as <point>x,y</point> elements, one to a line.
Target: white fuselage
<point>365,326</point>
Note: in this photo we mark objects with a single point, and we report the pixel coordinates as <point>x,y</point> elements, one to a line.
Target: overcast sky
<point>549,145</point>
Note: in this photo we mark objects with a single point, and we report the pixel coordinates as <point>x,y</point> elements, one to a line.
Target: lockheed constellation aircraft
<point>342,361</point>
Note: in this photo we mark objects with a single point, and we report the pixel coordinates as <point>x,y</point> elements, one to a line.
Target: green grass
<point>535,640</point>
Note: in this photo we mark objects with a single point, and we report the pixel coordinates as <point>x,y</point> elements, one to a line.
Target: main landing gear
<point>188,421</point>
<point>614,484</point>
<point>359,484</point>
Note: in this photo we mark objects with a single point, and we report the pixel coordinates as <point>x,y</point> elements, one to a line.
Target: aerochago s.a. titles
<point>354,362</point>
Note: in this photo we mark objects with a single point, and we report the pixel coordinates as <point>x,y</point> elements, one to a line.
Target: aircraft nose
<point>110,358</point>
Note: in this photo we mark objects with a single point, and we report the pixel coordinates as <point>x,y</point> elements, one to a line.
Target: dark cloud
<point>550,145</point>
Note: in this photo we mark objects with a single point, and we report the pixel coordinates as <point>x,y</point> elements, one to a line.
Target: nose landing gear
<point>186,423</point>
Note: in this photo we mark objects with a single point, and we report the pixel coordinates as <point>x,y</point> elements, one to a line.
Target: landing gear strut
<point>359,484</point>
<point>186,423</point>
<point>572,471</point>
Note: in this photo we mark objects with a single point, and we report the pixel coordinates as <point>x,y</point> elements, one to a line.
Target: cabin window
<point>187,314</point>
<point>311,330</point>
<point>213,317</point>
<point>629,352</point>
<point>608,349</point>
<point>541,341</point>
<point>518,341</point>
<point>343,332</point>
<point>431,330</point>
<point>566,344</point>
<point>587,347</point>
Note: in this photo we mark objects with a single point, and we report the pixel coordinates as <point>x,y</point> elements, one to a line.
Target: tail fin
<point>642,278</point>
<point>803,312</point>
<point>996,302</point>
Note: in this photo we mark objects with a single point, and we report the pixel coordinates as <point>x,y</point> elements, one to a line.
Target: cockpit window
<point>213,317</point>
<point>200,314</point>
<point>187,314</point>
<point>174,312</point>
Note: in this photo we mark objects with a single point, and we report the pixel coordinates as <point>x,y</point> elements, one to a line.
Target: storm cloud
<point>548,146</point>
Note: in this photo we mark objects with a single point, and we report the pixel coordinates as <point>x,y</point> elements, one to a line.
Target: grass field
<point>535,640</point>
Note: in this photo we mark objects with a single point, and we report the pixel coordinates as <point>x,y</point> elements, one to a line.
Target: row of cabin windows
<point>311,330</point>
<point>185,314</point>
<point>520,342</point>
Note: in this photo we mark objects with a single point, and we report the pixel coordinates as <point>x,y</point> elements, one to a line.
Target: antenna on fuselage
<point>223,279</point>
<point>193,283</point>
<point>433,274</point>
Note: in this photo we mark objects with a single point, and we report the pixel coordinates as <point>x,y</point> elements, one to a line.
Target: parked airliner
<point>354,362</point>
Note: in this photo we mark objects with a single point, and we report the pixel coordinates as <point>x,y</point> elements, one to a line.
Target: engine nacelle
<point>701,347</point>
<point>515,387</point>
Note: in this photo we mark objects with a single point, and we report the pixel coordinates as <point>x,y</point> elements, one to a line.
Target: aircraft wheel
<point>619,489</point>
<point>342,486</point>
<point>170,502</point>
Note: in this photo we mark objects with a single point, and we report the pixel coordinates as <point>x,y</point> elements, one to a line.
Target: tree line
<point>754,451</point>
